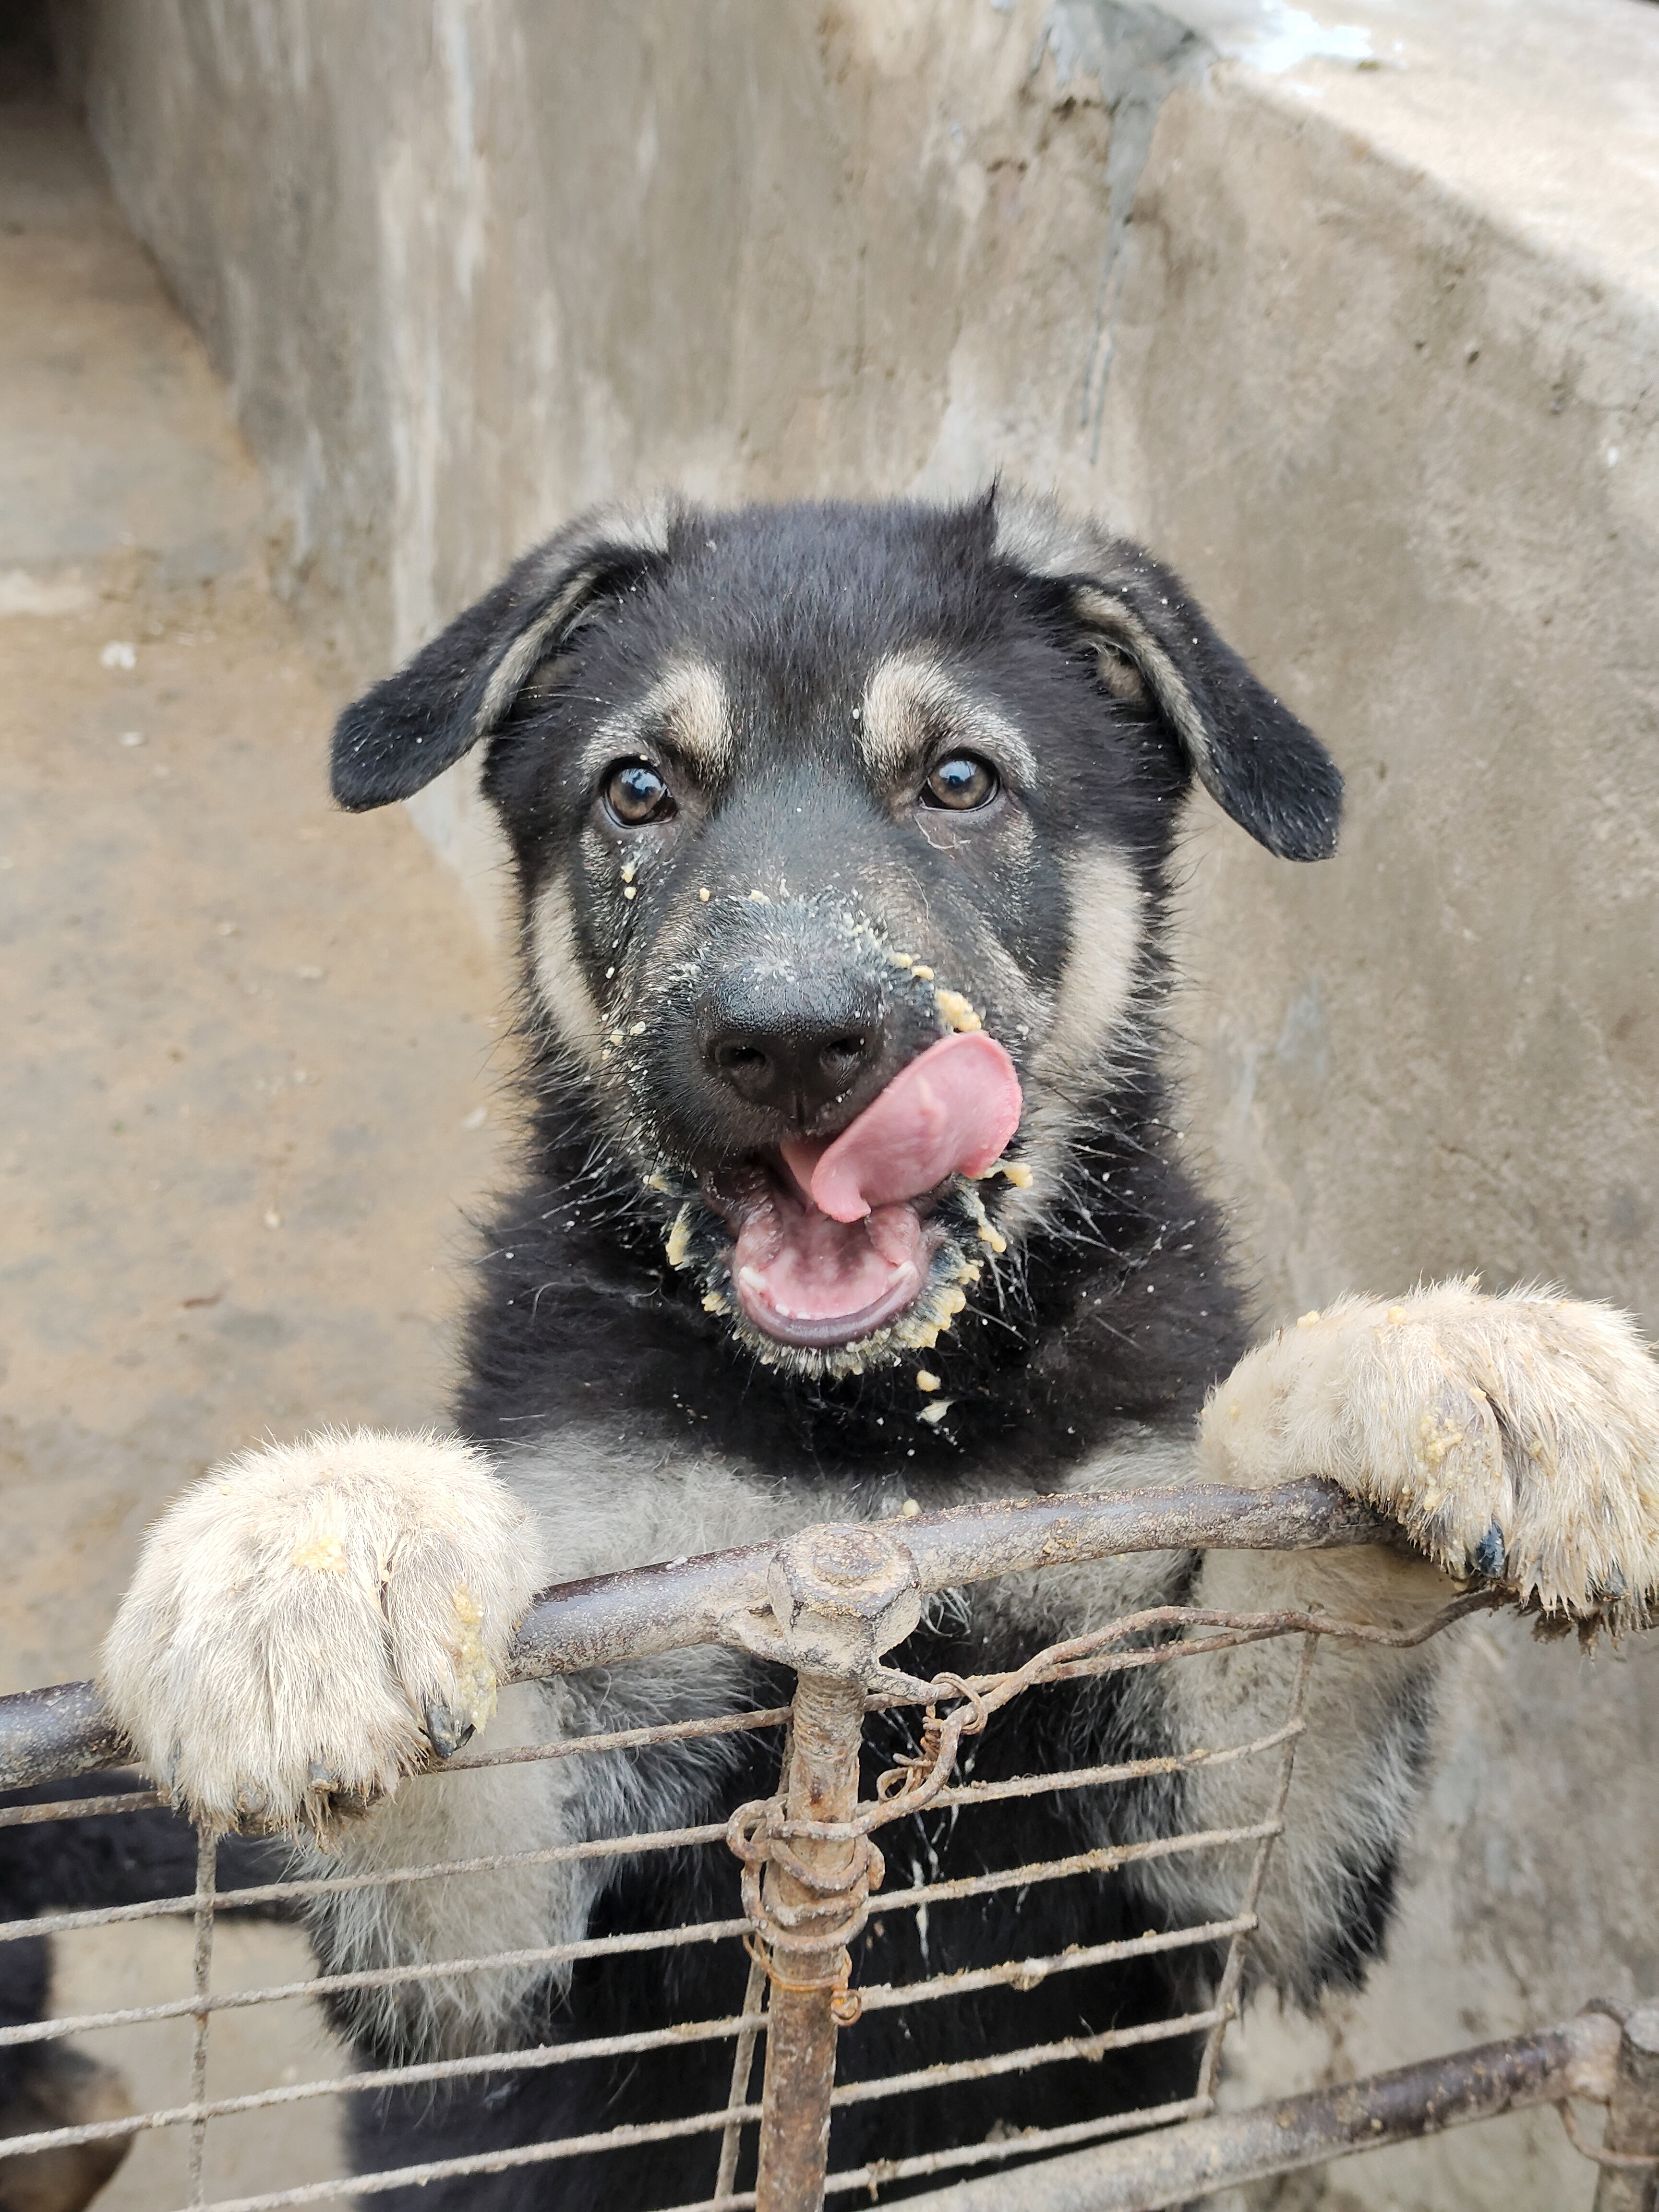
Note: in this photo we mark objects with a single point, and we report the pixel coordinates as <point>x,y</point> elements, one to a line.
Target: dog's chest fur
<point>619,1996</point>
<point>1125,1317</point>
<point>577,1329</point>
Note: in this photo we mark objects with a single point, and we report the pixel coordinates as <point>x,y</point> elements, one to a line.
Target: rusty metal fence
<point>804,1865</point>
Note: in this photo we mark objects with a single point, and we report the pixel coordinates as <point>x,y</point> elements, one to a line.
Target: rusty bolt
<point>843,1595</point>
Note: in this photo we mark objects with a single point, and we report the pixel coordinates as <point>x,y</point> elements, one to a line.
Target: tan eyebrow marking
<point>686,709</point>
<point>911,699</point>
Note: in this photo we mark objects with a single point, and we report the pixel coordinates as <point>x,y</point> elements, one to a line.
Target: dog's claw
<point>1490,1552</point>
<point>447,1729</point>
<point>321,1776</point>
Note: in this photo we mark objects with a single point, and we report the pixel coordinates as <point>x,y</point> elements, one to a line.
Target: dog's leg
<point>60,2087</point>
<point>1514,1439</point>
<point>309,1624</point>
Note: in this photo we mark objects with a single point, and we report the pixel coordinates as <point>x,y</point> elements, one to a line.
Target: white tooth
<point>751,1278</point>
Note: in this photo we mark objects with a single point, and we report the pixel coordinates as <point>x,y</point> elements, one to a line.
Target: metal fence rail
<point>805,1864</point>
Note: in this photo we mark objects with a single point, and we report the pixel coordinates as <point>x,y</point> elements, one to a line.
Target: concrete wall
<point>1351,313</point>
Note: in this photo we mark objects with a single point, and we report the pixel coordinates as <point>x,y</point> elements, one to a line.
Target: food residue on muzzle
<point>833,1243</point>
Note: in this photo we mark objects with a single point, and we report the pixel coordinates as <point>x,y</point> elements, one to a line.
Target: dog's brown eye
<point>635,793</point>
<point>961,781</point>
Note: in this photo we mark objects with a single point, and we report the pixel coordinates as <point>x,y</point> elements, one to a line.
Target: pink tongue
<point>952,1111</point>
<point>851,1255</point>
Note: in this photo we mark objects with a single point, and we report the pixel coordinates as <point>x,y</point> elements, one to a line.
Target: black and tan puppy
<point>843,836</point>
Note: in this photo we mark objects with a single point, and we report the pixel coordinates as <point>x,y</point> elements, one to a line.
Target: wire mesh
<point>950,1710</point>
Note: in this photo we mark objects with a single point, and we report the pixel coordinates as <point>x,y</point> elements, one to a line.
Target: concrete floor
<point>249,1087</point>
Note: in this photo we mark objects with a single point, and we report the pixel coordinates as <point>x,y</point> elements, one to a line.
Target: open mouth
<point>832,1237</point>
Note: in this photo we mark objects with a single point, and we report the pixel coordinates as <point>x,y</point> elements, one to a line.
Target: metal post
<point>841,1597</point>
<point>1633,2130</point>
<point>51,1735</point>
<point>207,1863</point>
<point>800,2035</point>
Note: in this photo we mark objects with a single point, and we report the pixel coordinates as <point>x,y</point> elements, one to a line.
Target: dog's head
<point>841,832</point>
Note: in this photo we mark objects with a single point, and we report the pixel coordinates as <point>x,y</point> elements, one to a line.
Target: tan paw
<point>310,1623</point>
<point>1512,1437</point>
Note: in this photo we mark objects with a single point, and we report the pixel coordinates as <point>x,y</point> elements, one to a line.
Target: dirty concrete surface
<point>250,1075</point>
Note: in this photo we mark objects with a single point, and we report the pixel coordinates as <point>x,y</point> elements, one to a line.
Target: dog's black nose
<point>790,1044</point>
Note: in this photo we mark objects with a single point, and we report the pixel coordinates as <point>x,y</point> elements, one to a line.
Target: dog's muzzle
<point>831,1237</point>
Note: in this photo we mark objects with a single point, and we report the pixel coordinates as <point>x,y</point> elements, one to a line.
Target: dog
<point>844,837</point>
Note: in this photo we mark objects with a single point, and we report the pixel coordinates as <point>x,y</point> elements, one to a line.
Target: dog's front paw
<point>310,1623</point>
<point>1512,1437</point>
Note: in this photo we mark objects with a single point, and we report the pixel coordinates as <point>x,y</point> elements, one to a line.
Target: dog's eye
<point>961,781</point>
<point>635,793</point>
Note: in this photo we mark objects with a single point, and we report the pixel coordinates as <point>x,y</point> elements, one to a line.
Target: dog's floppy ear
<point>1268,771</point>
<point>460,688</point>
